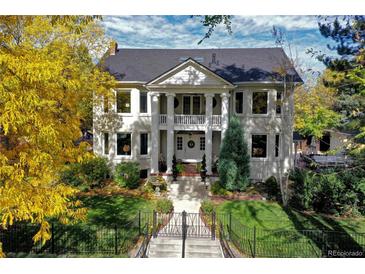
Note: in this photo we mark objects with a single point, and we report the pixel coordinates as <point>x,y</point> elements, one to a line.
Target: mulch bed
<point>111,189</point>
<point>236,196</point>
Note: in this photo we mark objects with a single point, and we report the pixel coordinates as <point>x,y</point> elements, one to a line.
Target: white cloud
<point>185,32</point>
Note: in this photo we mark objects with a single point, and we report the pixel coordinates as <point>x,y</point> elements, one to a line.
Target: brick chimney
<point>113,48</point>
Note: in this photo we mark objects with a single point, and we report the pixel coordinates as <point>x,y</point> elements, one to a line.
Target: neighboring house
<point>328,151</point>
<point>178,101</point>
<point>333,141</point>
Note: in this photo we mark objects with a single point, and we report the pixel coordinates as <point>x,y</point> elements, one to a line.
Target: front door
<point>190,148</point>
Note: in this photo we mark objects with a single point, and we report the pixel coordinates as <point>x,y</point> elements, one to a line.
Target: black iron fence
<point>118,240</point>
<point>284,243</point>
<point>146,236</point>
<point>76,239</point>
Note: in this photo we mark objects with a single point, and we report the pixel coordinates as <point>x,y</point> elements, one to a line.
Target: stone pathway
<point>187,194</point>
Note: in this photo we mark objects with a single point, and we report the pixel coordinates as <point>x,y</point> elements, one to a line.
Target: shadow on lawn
<point>110,211</point>
<point>330,235</point>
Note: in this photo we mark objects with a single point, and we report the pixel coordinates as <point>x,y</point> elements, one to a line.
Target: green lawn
<point>111,210</point>
<point>111,230</point>
<point>284,232</point>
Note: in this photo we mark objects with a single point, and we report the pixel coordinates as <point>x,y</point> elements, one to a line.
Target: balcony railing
<point>182,119</point>
<point>189,119</point>
<point>216,120</point>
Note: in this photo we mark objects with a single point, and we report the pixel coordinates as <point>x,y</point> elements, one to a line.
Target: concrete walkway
<point>187,194</point>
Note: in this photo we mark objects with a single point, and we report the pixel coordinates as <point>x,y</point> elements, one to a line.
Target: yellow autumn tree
<point>314,109</point>
<point>47,71</point>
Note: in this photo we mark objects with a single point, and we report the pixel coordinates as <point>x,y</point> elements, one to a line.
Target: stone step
<point>199,241</point>
<point>203,255</point>
<point>163,254</point>
<point>171,247</point>
<point>201,248</point>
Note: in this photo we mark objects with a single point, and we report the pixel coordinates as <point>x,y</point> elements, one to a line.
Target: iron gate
<point>183,224</point>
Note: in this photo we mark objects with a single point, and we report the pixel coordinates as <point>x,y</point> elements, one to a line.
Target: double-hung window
<point>124,146</point>
<point>106,143</point>
<point>278,102</point>
<point>277,145</point>
<point>259,146</point>
<point>259,102</point>
<point>239,102</point>
<point>143,102</point>
<point>123,101</point>
<point>144,143</point>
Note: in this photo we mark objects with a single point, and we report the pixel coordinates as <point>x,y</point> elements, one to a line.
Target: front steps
<point>169,247</point>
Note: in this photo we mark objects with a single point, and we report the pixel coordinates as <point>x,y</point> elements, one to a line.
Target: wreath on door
<point>191,144</point>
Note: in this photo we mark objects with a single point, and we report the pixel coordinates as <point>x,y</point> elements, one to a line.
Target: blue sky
<point>248,31</point>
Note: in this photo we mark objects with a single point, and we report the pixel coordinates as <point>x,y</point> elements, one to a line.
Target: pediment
<point>190,73</point>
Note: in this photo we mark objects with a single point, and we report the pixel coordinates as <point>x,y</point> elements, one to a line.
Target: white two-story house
<point>179,102</point>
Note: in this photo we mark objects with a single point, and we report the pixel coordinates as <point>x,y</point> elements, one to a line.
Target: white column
<point>155,132</point>
<point>208,131</point>
<point>170,131</point>
<point>225,113</point>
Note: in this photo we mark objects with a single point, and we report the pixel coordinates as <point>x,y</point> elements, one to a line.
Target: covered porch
<point>192,99</point>
<point>189,148</point>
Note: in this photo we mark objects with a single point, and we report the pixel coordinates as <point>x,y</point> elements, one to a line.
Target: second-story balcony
<point>191,120</point>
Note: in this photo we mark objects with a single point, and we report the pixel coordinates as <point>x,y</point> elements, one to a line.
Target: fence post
<point>52,238</point>
<point>254,241</point>
<point>154,224</point>
<point>116,239</point>
<point>230,225</point>
<point>213,225</point>
<point>184,230</point>
<point>139,222</point>
<point>324,245</point>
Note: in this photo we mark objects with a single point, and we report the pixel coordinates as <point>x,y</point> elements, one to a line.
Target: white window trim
<point>103,137</point>
<point>118,156</point>
<point>234,103</point>
<point>123,90</point>
<point>267,114</point>
<point>143,156</point>
<point>201,108</point>
<point>259,159</point>
<point>279,115</point>
<point>280,146</point>
<point>139,106</point>
<point>182,143</point>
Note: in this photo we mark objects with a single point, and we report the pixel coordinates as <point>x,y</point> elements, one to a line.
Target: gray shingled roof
<point>233,64</point>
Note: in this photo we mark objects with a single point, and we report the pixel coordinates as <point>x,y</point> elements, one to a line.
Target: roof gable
<point>190,73</point>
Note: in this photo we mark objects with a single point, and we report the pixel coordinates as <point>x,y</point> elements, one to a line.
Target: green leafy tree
<point>212,21</point>
<point>234,161</point>
<point>127,174</point>
<point>347,34</point>
<point>314,112</point>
